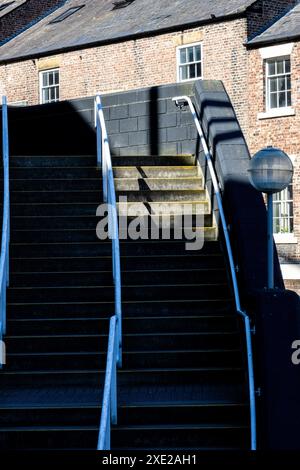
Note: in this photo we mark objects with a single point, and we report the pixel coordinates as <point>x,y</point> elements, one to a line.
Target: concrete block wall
<point>147,122</point>
<point>139,122</point>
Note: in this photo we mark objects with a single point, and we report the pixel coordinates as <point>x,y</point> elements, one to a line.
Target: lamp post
<point>271,171</point>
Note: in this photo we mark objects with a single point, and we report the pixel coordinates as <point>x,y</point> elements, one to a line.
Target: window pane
<point>198,53</point>
<point>190,54</point>
<point>281,84</point>
<point>276,210</point>
<point>276,225</point>
<point>289,98</point>
<point>192,71</point>
<point>288,82</point>
<point>287,65</point>
<point>273,84</point>
<point>56,78</point>
<point>182,56</point>
<point>273,100</point>
<point>183,73</point>
<point>46,95</point>
<point>282,100</point>
<point>57,93</point>
<point>271,67</point>
<point>198,68</point>
<point>51,76</point>
<point>280,66</point>
<point>45,79</point>
<point>52,94</point>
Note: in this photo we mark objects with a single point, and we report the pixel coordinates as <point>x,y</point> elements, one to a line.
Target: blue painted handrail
<point>109,403</point>
<point>114,354</point>
<point>182,101</point>
<point>4,260</point>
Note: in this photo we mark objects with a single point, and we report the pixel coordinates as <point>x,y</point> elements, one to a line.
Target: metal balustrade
<point>4,260</point>
<point>114,353</point>
<point>182,101</point>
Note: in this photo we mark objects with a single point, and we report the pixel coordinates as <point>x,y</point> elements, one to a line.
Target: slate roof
<point>98,23</point>
<point>285,29</point>
<point>11,7</point>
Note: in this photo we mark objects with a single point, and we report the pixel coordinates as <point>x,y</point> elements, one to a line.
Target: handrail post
<point>215,183</point>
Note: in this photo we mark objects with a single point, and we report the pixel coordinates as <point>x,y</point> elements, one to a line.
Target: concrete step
<point>50,161</point>
<point>95,182</point>
<point>104,278</point>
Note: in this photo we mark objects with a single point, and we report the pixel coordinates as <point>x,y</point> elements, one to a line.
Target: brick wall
<point>264,12</point>
<point>135,64</point>
<point>20,17</point>
<point>280,132</point>
<point>146,61</point>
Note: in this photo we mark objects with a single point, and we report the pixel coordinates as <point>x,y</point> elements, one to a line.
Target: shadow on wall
<point>244,206</point>
<point>64,128</point>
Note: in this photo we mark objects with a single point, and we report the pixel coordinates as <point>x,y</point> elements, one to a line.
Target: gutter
<point>274,41</point>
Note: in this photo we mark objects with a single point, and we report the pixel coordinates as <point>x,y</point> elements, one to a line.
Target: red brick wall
<point>21,16</point>
<point>263,12</point>
<point>283,132</point>
<point>293,285</point>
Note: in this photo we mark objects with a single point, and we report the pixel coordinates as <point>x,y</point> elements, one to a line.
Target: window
<point>5,5</point>
<point>49,86</point>
<point>66,14</point>
<point>283,211</point>
<point>189,62</point>
<point>278,83</point>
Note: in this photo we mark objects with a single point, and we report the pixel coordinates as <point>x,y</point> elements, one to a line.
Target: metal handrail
<point>178,101</point>
<point>109,404</point>
<point>114,354</point>
<point>4,259</point>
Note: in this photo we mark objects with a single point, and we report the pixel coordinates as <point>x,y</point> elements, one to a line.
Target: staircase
<point>183,381</point>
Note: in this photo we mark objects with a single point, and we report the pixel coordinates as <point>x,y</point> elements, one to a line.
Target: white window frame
<point>267,87</point>
<point>268,53</point>
<point>178,64</point>
<point>41,73</point>
<point>284,202</point>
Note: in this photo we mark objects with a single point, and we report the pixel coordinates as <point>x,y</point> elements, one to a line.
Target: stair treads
<point>64,161</point>
<point>104,278</point>
<point>132,308</point>
<point>129,262</point>
<point>95,182</point>
<point>102,293</point>
<point>103,248</point>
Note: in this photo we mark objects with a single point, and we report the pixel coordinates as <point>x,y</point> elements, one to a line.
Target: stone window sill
<point>290,272</point>
<point>277,113</point>
<point>285,238</point>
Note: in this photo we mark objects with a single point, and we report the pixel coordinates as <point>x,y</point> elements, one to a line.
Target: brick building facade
<point>144,60</point>
<point>279,126</point>
<point>119,56</point>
